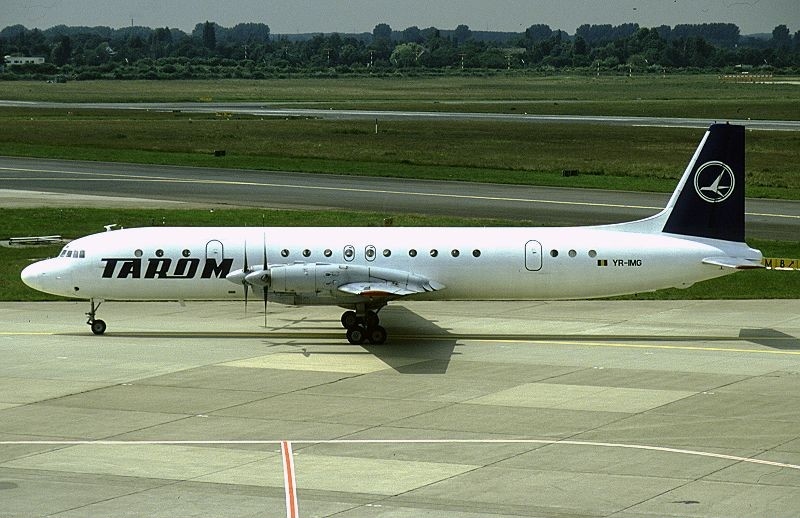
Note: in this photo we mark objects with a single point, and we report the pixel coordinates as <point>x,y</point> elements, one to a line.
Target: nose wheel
<point>97,326</point>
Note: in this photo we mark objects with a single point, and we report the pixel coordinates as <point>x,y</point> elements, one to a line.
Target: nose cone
<point>46,276</point>
<point>33,274</point>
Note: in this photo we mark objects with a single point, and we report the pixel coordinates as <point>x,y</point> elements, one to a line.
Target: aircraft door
<point>215,250</point>
<point>533,256</point>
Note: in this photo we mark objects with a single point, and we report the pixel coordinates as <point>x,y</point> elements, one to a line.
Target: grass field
<point>78,222</point>
<point>651,95</point>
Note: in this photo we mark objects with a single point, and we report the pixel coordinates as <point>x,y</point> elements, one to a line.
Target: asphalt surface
<point>768,219</point>
<point>558,409</point>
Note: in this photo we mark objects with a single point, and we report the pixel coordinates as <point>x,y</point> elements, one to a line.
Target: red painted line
<point>290,485</point>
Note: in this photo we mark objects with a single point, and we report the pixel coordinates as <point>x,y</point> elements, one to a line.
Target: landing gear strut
<point>363,325</point>
<point>98,326</point>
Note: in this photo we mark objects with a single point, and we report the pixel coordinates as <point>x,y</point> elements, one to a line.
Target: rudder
<point>709,201</point>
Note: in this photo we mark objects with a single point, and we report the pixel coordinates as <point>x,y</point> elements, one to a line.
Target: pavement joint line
<point>555,442</point>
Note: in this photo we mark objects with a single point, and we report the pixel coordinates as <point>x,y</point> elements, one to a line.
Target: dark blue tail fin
<point>709,200</point>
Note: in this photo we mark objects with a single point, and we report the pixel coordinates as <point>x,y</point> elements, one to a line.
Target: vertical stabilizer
<point>709,200</point>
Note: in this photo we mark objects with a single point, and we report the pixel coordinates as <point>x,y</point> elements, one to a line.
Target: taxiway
<point>766,219</point>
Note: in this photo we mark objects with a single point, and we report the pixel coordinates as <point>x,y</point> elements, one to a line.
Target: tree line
<point>249,50</point>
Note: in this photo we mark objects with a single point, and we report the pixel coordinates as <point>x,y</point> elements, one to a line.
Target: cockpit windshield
<point>75,254</point>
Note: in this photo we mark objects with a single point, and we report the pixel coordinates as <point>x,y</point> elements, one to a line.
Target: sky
<point>302,16</point>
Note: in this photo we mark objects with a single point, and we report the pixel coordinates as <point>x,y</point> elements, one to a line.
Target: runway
<point>593,408</point>
<point>767,219</point>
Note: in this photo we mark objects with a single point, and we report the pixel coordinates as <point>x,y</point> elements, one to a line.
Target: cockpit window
<point>75,254</point>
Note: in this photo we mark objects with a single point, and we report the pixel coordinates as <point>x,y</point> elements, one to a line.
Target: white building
<point>23,60</point>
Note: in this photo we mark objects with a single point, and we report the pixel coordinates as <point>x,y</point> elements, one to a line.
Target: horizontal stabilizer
<point>735,263</point>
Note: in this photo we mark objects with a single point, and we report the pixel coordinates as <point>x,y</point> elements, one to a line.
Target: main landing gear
<point>363,326</point>
<point>98,326</point>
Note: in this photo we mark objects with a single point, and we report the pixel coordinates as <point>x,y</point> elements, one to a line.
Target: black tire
<point>356,335</point>
<point>98,327</point>
<point>349,319</point>
<point>371,320</point>
<point>377,335</point>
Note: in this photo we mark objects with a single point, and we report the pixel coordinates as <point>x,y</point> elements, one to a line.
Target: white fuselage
<point>191,263</point>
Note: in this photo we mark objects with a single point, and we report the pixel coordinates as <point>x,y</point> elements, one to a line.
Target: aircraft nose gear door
<point>533,256</point>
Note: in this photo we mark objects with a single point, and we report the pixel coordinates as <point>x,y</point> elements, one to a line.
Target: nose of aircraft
<point>32,275</point>
<point>44,276</point>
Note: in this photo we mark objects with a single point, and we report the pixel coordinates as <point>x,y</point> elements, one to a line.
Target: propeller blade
<point>266,296</point>
<point>266,287</point>
<point>246,270</point>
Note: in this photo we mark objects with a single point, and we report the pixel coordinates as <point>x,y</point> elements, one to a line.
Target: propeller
<point>254,276</point>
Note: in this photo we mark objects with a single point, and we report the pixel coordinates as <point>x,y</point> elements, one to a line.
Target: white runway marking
<point>664,449</point>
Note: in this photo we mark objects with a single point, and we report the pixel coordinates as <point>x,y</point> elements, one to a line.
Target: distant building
<point>23,60</point>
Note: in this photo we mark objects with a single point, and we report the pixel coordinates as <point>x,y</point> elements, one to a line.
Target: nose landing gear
<point>97,326</point>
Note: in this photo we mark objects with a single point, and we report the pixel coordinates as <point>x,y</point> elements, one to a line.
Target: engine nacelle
<point>305,277</point>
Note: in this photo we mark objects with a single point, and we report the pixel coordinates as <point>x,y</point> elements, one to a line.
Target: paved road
<point>276,110</point>
<point>769,219</point>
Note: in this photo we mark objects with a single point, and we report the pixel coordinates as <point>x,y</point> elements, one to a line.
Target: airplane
<point>698,236</point>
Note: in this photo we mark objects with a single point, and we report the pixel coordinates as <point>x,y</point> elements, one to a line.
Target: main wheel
<point>376,335</point>
<point>349,319</point>
<point>371,319</point>
<point>356,335</point>
<point>98,327</point>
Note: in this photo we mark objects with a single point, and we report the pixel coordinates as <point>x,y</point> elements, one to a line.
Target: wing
<point>390,284</point>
